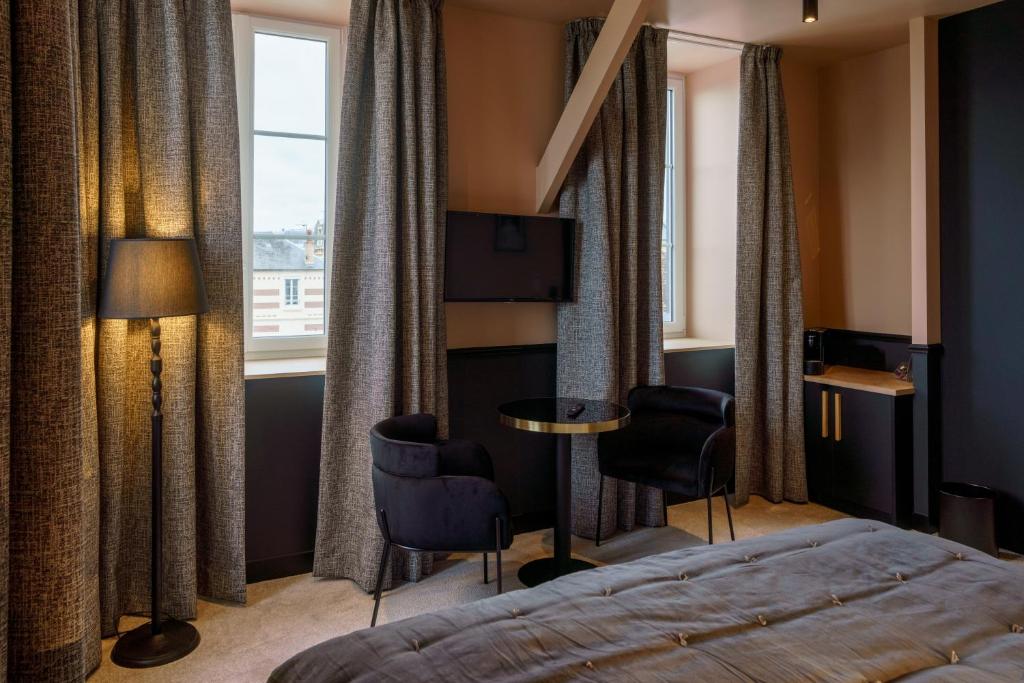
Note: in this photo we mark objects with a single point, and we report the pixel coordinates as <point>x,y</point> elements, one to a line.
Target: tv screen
<point>494,257</point>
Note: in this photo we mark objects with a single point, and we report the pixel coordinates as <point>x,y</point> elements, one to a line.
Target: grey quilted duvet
<point>849,600</point>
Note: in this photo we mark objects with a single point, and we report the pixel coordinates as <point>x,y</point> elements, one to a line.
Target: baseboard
<point>278,567</point>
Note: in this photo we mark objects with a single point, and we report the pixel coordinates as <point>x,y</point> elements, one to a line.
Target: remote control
<point>574,410</point>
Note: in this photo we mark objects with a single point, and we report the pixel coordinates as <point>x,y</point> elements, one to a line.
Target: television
<point>496,257</point>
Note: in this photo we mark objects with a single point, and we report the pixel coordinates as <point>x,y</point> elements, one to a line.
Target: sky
<point>289,174</point>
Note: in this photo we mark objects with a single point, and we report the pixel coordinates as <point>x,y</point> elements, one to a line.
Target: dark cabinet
<point>859,451</point>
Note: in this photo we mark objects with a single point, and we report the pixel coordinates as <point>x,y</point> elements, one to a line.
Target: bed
<point>850,600</point>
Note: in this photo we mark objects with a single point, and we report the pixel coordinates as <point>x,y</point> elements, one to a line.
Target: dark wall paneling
<point>283,419</point>
<point>981,72</point>
<point>711,369</point>
<point>479,380</point>
<point>870,350</point>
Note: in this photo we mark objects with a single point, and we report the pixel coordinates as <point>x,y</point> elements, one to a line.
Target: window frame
<point>244,29</point>
<point>676,328</point>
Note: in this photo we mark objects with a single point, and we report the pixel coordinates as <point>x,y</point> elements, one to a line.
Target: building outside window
<point>289,92</point>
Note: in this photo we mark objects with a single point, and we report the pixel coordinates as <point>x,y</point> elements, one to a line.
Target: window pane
<point>288,236</point>
<point>291,83</point>
<point>668,219</point>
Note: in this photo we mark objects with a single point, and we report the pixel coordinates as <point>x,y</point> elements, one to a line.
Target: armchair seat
<point>681,440</point>
<point>434,494</point>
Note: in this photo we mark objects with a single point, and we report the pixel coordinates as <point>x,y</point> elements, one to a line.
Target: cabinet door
<point>862,450</point>
<point>817,441</point>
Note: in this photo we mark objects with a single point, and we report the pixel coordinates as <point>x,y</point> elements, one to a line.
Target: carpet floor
<point>287,615</point>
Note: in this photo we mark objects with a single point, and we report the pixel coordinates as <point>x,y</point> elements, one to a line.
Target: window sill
<point>275,368</point>
<point>272,368</point>
<point>693,344</point>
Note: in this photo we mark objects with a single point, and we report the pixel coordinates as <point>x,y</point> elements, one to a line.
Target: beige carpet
<point>288,615</point>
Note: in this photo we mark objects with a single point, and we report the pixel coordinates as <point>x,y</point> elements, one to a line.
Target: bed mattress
<point>850,600</point>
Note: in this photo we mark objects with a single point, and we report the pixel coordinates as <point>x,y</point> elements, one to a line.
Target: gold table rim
<point>543,427</point>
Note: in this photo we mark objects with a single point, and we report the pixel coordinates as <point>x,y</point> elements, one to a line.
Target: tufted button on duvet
<point>750,559</point>
<point>682,639</point>
<point>901,578</point>
<point>589,664</point>
<point>416,645</point>
<point>1016,628</point>
<point>607,591</point>
<point>836,601</point>
<point>959,556</point>
<point>516,612</point>
<point>762,620</point>
<point>683,576</point>
<point>954,658</point>
<point>813,544</point>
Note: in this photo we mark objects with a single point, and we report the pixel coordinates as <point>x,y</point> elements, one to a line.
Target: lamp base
<point>141,649</point>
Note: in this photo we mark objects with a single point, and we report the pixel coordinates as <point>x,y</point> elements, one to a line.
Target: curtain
<point>610,337</point>
<point>769,304</point>
<point>119,119</point>
<point>386,350</point>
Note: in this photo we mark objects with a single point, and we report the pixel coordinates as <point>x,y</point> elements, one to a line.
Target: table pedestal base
<point>537,572</point>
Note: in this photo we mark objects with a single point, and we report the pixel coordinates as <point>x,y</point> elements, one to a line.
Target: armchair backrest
<point>706,404</point>
<point>405,446</point>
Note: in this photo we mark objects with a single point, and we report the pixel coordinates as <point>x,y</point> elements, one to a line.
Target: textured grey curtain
<point>386,347</point>
<point>769,304</point>
<point>610,337</point>
<point>119,119</point>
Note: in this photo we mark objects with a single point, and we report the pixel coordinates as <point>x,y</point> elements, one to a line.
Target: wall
<point>800,87</point>
<point>981,93</point>
<point>712,131</point>
<point>865,193</point>
<point>504,99</point>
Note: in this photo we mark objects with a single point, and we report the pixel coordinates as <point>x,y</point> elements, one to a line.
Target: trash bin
<point>967,514</point>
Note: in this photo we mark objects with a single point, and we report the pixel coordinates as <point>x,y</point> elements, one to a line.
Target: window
<point>291,292</point>
<point>288,78</point>
<point>673,243</point>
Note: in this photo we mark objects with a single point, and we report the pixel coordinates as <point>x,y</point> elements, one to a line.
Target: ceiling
<point>845,27</point>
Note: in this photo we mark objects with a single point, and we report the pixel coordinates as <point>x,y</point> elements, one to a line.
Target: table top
<point>548,415</point>
<point>875,381</point>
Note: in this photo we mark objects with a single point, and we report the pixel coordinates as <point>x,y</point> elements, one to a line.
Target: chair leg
<point>380,581</point>
<point>728,511</point>
<point>711,531</point>
<point>485,569</point>
<point>600,505</point>
<point>711,483</point>
<point>497,544</point>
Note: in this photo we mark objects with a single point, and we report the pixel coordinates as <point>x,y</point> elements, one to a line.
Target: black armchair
<point>434,495</point>
<point>680,440</point>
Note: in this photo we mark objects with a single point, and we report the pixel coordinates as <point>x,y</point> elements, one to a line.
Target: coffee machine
<point>814,351</point>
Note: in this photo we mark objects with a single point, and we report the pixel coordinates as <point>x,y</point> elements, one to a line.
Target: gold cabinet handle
<point>839,417</point>
<point>824,414</point>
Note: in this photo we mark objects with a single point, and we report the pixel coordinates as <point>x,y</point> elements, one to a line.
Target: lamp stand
<point>161,640</point>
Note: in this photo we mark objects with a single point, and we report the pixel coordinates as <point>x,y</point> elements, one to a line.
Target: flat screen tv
<point>494,257</point>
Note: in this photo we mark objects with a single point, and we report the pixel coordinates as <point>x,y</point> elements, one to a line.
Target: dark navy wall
<point>283,422</point>
<point>981,67</point>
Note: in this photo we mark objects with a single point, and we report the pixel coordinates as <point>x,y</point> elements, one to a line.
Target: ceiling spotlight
<point>810,11</point>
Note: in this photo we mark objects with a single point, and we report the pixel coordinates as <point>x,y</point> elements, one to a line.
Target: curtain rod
<point>706,41</point>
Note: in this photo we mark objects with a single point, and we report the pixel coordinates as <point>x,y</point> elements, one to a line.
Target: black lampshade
<point>152,278</point>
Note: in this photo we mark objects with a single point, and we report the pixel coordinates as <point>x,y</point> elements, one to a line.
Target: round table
<point>550,416</point>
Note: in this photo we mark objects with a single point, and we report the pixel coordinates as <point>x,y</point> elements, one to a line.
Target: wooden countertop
<point>875,381</point>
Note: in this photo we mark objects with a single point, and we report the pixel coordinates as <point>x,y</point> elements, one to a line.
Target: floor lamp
<point>153,279</point>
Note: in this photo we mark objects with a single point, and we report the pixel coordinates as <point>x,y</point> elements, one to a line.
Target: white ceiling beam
<point>613,43</point>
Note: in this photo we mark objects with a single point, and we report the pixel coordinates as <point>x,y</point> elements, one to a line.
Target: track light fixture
<point>810,11</point>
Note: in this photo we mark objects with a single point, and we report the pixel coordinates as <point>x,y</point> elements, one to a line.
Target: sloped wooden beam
<point>617,35</point>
